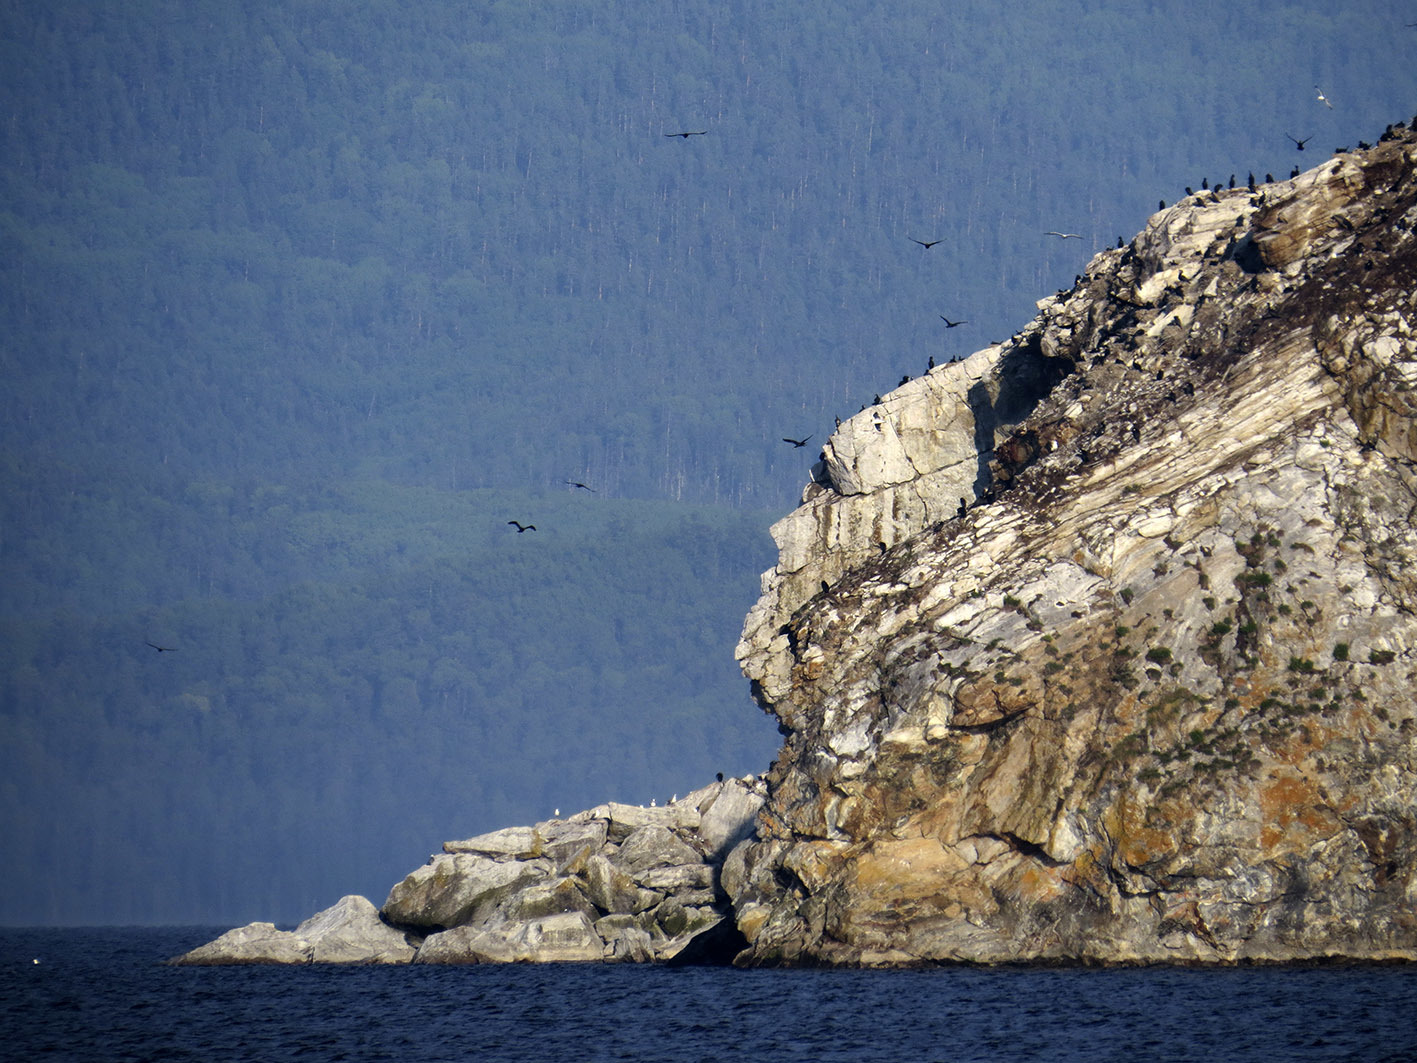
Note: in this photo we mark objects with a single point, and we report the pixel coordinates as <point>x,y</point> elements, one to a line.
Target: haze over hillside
<point>301,305</point>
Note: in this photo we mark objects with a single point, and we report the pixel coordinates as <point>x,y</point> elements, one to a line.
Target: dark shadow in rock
<point>714,947</point>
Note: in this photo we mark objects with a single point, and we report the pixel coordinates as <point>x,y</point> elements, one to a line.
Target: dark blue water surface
<point>104,994</point>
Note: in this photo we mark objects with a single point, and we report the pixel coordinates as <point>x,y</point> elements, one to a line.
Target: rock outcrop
<point>349,931</point>
<point>617,883</point>
<point>1100,645</point>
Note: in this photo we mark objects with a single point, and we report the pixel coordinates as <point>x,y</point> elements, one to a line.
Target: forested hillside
<point>300,303</point>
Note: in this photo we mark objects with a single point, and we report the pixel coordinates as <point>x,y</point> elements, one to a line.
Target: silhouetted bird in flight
<point>1064,236</point>
<point>1297,142</point>
<point>927,244</point>
<point>522,527</point>
<point>799,443</point>
<point>952,324</point>
<point>160,649</point>
<point>690,133</point>
<point>583,487</point>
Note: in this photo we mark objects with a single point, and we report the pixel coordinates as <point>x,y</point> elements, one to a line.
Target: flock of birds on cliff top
<point>1252,184</point>
<point>797,444</point>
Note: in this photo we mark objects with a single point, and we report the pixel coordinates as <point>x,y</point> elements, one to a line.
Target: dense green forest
<point>300,303</point>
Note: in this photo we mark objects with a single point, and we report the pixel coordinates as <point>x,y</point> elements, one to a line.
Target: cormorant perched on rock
<point>1252,182</point>
<point>1188,191</point>
<point>522,527</point>
<point>927,244</point>
<point>1205,184</point>
<point>1297,142</point>
<point>1269,178</point>
<point>1161,205</point>
<point>905,379</point>
<point>797,443</point>
<point>1232,180</point>
<point>1293,173</point>
<point>930,364</point>
<point>963,508</point>
<point>719,776</point>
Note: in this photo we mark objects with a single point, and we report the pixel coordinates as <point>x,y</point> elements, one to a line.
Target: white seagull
<point>1322,98</point>
<point>1064,236</point>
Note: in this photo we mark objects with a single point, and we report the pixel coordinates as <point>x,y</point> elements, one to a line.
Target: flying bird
<point>1297,142</point>
<point>583,487</point>
<point>1064,236</point>
<point>797,443</point>
<point>689,133</point>
<point>927,244</point>
<point>1322,98</point>
<point>952,324</point>
<point>522,527</point>
<point>160,649</point>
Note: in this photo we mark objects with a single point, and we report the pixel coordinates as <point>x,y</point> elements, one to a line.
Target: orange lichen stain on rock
<point>815,863</point>
<point>1038,883</point>
<point>751,919</point>
<point>1138,844</point>
<point>906,870</point>
<point>1292,814</point>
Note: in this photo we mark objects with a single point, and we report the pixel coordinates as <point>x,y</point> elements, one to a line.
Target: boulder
<point>653,846</point>
<point>515,842</point>
<point>455,889</point>
<point>729,819</point>
<point>564,843</point>
<point>613,891</point>
<point>351,932</point>
<point>566,938</point>
<point>255,943</point>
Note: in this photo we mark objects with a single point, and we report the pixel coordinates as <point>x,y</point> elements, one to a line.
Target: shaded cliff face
<point>1100,645</point>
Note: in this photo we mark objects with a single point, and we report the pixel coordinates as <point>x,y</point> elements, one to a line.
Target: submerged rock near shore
<point>1101,645</point>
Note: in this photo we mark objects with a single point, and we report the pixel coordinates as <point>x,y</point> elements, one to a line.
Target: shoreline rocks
<point>616,883</point>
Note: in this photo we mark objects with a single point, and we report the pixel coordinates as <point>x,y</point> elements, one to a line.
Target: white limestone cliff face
<point>1101,644</point>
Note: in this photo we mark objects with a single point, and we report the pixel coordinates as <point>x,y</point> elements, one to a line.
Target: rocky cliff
<point>1100,645</point>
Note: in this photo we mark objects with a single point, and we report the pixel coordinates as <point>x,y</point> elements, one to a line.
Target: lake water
<point>104,994</point>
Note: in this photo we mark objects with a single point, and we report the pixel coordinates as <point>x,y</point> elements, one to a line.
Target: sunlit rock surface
<point>616,883</point>
<point>1100,645</point>
<point>347,932</point>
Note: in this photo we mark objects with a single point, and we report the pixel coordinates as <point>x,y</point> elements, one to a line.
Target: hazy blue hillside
<point>300,303</point>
